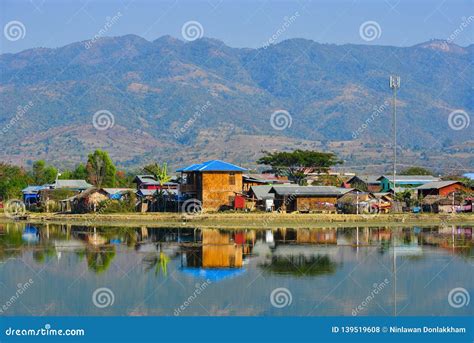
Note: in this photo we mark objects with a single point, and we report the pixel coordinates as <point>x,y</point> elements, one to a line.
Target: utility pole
<point>357,203</point>
<point>453,210</point>
<point>394,85</point>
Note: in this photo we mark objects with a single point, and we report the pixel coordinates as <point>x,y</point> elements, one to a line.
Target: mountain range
<point>183,102</point>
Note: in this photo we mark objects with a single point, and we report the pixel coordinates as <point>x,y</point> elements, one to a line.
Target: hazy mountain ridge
<point>154,88</point>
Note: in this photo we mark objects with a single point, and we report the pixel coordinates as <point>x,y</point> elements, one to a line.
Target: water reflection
<point>163,264</point>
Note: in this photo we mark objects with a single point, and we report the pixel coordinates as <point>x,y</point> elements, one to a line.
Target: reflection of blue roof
<point>214,275</point>
<point>30,234</point>
<point>213,165</point>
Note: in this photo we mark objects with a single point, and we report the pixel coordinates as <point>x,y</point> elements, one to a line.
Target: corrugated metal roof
<point>374,179</point>
<point>310,190</point>
<point>148,179</point>
<point>117,190</point>
<point>213,165</point>
<point>436,184</point>
<point>75,184</point>
<point>262,192</point>
<point>146,192</point>
<point>32,189</point>
<point>411,178</point>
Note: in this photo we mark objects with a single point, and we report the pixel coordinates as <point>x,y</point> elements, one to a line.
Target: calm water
<point>182,271</point>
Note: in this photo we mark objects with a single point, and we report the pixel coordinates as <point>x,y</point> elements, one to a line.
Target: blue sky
<point>238,23</point>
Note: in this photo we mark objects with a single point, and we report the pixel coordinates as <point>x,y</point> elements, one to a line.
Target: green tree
<point>43,173</point>
<point>80,173</point>
<point>416,171</point>
<point>12,180</point>
<point>100,169</point>
<point>297,164</point>
<point>160,172</point>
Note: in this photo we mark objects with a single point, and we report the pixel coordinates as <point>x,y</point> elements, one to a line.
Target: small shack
<point>441,188</point>
<point>307,198</point>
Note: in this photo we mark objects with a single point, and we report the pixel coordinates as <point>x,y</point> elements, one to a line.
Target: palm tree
<point>161,174</point>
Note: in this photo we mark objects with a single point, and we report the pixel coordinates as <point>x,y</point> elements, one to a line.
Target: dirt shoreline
<point>248,220</point>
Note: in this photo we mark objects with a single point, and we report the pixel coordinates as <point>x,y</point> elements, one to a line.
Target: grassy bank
<point>249,220</point>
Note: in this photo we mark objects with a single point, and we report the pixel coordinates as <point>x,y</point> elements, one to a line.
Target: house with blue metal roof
<point>214,184</point>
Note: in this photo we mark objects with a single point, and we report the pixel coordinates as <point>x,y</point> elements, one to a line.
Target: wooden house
<point>441,188</point>
<point>370,183</point>
<point>90,199</point>
<point>357,202</point>
<point>261,198</point>
<point>307,198</point>
<point>250,180</point>
<point>150,182</point>
<point>51,196</point>
<point>437,204</point>
<point>214,183</point>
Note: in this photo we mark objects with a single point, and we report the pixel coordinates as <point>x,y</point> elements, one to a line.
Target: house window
<point>232,179</point>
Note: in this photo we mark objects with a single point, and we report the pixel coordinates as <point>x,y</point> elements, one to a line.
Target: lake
<point>66,270</point>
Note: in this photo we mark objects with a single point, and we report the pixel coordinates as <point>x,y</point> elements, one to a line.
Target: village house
<point>51,196</point>
<point>404,182</point>
<point>370,183</point>
<point>437,204</point>
<point>216,184</point>
<point>250,180</point>
<point>307,198</point>
<point>153,195</point>
<point>260,198</point>
<point>441,188</point>
<point>90,199</point>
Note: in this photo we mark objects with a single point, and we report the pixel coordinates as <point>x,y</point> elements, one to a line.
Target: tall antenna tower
<point>394,85</point>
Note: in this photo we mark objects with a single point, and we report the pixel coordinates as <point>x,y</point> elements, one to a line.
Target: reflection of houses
<point>219,249</point>
<point>302,252</point>
<point>214,183</point>
<point>370,183</point>
<point>405,181</point>
<point>307,198</point>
